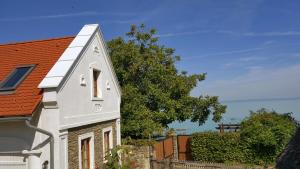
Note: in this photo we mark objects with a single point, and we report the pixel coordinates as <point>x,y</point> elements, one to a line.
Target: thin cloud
<point>269,42</point>
<point>254,34</point>
<point>182,33</point>
<point>228,65</point>
<point>235,51</point>
<point>241,62</point>
<point>254,68</point>
<point>240,51</point>
<point>195,32</point>
<point>227,32</point>
<point>295,55</point>
<point>119,21</point>
<point>287,33</point>
<point>257,83</point>
<point>234,33</point>
<point>252,58</point>
<point>67,15</point>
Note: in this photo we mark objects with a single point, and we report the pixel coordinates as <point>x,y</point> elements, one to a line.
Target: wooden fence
<point>183,143</point>
<point>164,149</point>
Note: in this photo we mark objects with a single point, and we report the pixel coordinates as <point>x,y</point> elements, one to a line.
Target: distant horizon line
<point>264,99</point>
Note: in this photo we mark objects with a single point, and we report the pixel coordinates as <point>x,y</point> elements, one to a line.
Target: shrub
<point>265,134</point>
<point>137,142</point>
<point>114,157</point>
<point>213,147</point>
<point>261,139</point>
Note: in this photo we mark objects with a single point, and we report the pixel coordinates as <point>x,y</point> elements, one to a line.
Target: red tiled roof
<point>43,53</point>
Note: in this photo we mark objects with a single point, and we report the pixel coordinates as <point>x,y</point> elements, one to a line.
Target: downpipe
<point>27,122</point>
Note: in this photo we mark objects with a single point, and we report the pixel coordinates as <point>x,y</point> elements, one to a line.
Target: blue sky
<point>250,49</point>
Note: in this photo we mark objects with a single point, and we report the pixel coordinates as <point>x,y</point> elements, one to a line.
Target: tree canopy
<point>154,92</point>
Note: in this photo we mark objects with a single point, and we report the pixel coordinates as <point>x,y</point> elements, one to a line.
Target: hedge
<point>213,147</point>
<point>262,138</point>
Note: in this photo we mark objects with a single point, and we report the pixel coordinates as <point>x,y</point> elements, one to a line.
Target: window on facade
<point>96,88</point>
<point>106,142</point>
<point>85,153</point>
<point>15,78</point>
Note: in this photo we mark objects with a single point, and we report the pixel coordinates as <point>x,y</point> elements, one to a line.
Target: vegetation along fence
<point>171,164</point>
<point>174,153</point>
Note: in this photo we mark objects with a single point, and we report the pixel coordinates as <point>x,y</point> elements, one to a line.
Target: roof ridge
<point>38,40</point>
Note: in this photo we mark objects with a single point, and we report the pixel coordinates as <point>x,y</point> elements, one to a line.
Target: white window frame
<point>92,153</point>
<point>64,150</point>
<point>95,66</point>
<point>111,143</point>
<point>118,131</point>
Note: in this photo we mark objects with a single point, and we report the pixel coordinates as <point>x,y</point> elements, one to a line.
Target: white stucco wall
<point>48,120</point>
<point>74,99</point>
<point>19,141</point>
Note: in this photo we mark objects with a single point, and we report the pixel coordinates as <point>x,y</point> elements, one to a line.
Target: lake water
<point>238,110</point>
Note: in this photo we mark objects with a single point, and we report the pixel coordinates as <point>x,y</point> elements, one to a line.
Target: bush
<point>114,157</point>
<point>213,147</point>
<point>261,139</point>
<point>265,134</point>
<point>137,142</point>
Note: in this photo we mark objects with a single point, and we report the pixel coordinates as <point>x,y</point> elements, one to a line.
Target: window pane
<point>16,76</point>
<point>106,142</point>
<point>95,82</point>
<point>85,153</point>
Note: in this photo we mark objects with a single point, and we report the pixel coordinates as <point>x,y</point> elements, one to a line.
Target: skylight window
<point>15,77</point>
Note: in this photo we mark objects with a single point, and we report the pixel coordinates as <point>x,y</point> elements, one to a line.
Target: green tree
<point>154,92</point>
<point>265,134</point>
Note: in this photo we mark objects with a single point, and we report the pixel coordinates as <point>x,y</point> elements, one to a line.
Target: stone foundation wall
<point>73,135</point>
<point>141,155</point>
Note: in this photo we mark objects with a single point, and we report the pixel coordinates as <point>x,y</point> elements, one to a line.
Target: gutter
<point>27,122</point>
<point>9,119</point>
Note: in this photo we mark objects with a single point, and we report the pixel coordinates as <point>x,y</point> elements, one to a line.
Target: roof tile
<point>43,53</point>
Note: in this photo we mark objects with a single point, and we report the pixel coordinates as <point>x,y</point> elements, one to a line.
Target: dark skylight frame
<point>14,79</point>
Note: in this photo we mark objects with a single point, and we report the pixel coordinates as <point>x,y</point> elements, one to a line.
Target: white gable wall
<point>67,101</point>
<point>74,99</point>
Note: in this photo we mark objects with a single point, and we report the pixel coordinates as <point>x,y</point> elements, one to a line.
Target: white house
<point>59,103</point>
